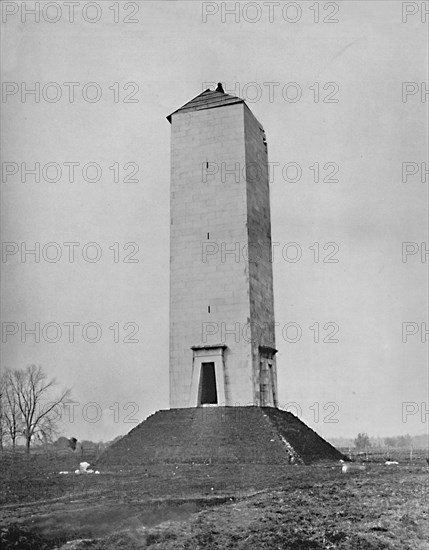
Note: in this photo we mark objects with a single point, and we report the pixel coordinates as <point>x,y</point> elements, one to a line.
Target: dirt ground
<point>205,506</point>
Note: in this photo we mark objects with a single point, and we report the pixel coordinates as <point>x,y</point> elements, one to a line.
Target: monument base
<point>224,435</point>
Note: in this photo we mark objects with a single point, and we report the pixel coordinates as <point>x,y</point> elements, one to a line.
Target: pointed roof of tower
<point>209,99</point>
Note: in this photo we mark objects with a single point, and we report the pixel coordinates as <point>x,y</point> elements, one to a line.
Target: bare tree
<point>38,408</point>
<point>11,417</point>
<point>362,441</point>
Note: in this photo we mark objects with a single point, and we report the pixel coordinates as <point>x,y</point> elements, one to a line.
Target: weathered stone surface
<point>221,288</point>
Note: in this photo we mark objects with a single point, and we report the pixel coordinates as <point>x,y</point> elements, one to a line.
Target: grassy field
<point>213,506</point>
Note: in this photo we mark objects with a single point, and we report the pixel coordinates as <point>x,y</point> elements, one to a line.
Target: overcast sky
<point>350,112</point>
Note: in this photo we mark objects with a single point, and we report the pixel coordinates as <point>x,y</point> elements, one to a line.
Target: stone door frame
<point>213,353</point>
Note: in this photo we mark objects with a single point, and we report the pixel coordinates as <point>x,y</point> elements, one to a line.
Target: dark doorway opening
<point>265,382</point>
<point>208,393</point>
<point>272,383</point>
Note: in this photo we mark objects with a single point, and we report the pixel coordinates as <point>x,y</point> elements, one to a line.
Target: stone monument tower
<point>222,347</point>
<point>223,380</point>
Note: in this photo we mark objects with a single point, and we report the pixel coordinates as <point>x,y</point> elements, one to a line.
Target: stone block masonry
<point>217,299</point>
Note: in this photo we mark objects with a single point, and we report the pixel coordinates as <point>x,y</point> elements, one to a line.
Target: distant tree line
<point>363,441</point>
<point>29,406</point>
<point>399,441</point>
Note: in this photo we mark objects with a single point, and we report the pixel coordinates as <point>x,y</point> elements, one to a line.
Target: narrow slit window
<point>208,309</point>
